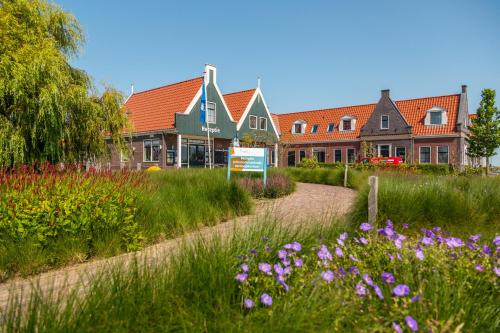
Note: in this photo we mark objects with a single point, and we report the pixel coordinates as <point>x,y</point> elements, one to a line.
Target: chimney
<point>464,88</point>
<point>131,89</point>
<point>385,93</point>
<point>210,73</point>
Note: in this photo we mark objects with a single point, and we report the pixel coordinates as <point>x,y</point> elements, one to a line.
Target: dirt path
<point>310,202</point>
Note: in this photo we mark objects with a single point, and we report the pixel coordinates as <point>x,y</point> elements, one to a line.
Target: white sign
<point>212,130</point>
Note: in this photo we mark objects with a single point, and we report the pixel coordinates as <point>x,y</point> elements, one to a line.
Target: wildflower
<point>398,243</point>
<point>241,277</point>
<point>282,254</point>
<point>391,257</point>
<point>280,278</point>
<point>412,323</point>
<point>496,270</point>
<point>324,254</point>
<point>453,242</point>
<point>287,246</point>
<point>365,226</point>
<point>415,298</point>
<point>419,253</point>
<point>354,270</point>
<point>471,246</point>
<point>496,241</point>
<point>361,289</point>
<point>378,291</point>
<point>479,268</point>
<point>245,267</point>
<point>265,268</point>
<point>296,247</point>
<point>405,225</point>
<point>388,231</point>
<point>343,236</point>
<point>338,252</point>
<point>427,241</point>
<point>389,223</point>
<point>342,271</point>
<point>475,238</point>
<point>327,276</point>
<point>248,303</point>
<point>353,258</point>
<point>398,256</point>
<point>298,263</point>
<point>363,240</point>
<point>368,279</point>
<point>397,328</point>
<point>253,251</point>
<point>286,262</point>
<point>401,290</point>
<point>266,300</point>
<point>340,242</point>
<point>285,286</point>
<point>267,248</point>
<point>387,278</point>
<point>486,250</point>
<point>278,269</point>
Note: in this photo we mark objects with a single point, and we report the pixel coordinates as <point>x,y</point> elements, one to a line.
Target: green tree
<point>484,136</point>
<point>50,110</point>
<point>256,137</point>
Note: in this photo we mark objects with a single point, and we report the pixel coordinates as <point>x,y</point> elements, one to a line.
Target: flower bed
<point>278,185</point>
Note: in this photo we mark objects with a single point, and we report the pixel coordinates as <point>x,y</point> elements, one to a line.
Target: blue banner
<point>203,105</point>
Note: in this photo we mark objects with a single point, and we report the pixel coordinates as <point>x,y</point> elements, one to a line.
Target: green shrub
<point>327,176</point>
<point>308,163</point>
<point>278,185</point>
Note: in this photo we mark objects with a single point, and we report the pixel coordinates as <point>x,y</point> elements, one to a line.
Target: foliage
<point>484,136</point>
<point>46,110</point>
<point>42,210</point>
<point>256,137</point>
<point>409,168</point>
<point>327,176</point>
<point>367,149</point>
<point>196,290</point>
<point>309,163</point>
<point>278,185</point>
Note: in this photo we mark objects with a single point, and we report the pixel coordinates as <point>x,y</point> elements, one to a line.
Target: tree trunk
<point>487,165</point>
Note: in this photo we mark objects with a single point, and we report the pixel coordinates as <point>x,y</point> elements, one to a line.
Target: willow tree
<point>49,110</point>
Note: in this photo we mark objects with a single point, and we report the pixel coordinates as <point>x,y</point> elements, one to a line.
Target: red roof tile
<point>237,102</point>
<point>155,109</point>
<point>276,121</point>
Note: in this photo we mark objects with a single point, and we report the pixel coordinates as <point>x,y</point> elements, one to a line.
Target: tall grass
<point>457,203</point>
<point>197,292</point>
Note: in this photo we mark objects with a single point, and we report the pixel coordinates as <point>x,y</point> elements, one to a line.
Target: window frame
<point>300,155</point>
<point>260,123</point>
<point>343,125</point>
<point>354,155</point>
<point>127,160</point>
<point>396,152</point>
<point>420,155</point>
<point>319,150</point>
<point>440,117</point>
<point>250,121</point>
<point>314,128</point>
<point>447,154</point>
<point>382,122</point>
<point>151,147</point>
<point>334,155</point>
<point>332,125</point>
<point>302,124</point>
<point>208,113</point>
<point>384,144</point>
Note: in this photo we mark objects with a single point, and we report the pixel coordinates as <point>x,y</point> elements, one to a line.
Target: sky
<point>308,54</point>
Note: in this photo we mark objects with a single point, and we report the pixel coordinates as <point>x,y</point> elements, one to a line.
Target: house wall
<point>453,149</point>
<point>258,109</point>
<point>308,148</point>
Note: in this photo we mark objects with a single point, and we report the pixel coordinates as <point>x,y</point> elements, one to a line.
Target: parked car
<point>385,160</point>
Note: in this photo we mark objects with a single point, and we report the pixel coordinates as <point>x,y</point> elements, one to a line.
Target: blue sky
<point>309,54</point>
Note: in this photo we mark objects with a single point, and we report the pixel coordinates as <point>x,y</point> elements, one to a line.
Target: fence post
<point>372,201</point>
<point>345,175</point>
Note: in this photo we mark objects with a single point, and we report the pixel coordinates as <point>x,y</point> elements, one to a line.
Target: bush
<point>308,163</point>
<point>278,185</point>
<point>327,176</point>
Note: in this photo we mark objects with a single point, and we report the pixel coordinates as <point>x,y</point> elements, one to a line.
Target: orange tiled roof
<point>155,109</point>
<point>238,101</point>
<point>472,116</point>
<point>414,111</point>
<point>276,122</point>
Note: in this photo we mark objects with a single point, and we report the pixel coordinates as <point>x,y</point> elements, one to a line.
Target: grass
<point>197,292</point>
<point>328,176</point>
<point>459,204</point>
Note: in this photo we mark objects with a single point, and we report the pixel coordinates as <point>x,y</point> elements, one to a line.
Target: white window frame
<point>303,126</point>
<point>381,122</point>
<point>448,154</point>
<point>347,154</point>
<point>353,123</point>
<point>250,122</point>
<point>215,113</point>
<point>319,149</point>
<point>444,116</point>
<point>395,151</point>
<point>420,155</point>
<point>312,128</point>
<point>334,149</point>
<point>260,123</point>
<point>332,125</point>
<point>144,150</point>
<point>122,159</point>
<point>384,144</point>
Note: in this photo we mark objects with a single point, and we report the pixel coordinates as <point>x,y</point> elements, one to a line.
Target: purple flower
<point>245,267</point>
<point>286,262</point>
<point>340,242</point>
<point>479,268</point>
<point>298,263</point>
<point>338,252</point>
<point>343,236</point>
<point>391,257</point>
<point>398,256</point>
<point>287,246</point>
<point>279,269</point>
<point>496,241</point>
<point>398,243</point>
<point>389,223</point>
<point>412,323</point>
<point>419,254</point>
<point>353,258</point>
<point>388,231</point>
<point>387,278</point>
<point>287,270</point>
<point>324,254</point>
<point>327,276</point>
<point>266,300</point>
<point>378,291</point>
<point>361,289</point>
<point>486,250</point>
<point>365,226</point>
<point>265,268</point>
<point>475,238</point>
<point>453,242</point>
<point>354,270</point>
<point>241,277</point>
<point>253,251</point>
<point>248,303</point>
<point>405,225</point>
<point>267,248</point>
<point>282,254</point>
<point>397,328</point>
<point>436,229</point>
<point>415,298</point>
<point>296,247</point>
<point>496,270</point>
<point>280,278</point>
<point>401,290</point>
<point>342,271</point>
<point>363,240</point>
<point>368,279</point>
<point>427,241</point>
<point>471,246</point>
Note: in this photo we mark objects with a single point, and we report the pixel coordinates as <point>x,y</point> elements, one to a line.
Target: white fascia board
<point>247,109</point>
<point>193,102</point>
<point>224,102</point>
<point>258,92</point>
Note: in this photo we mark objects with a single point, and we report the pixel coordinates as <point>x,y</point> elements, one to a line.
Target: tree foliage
<point>484,136</point>
<point>256,137</point>
<point>49,110</point>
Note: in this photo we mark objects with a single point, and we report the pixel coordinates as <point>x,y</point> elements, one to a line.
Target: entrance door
<point>196,155</point>
<point>291,158</point>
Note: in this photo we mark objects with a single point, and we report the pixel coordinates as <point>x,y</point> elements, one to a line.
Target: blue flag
<point>203,105</point>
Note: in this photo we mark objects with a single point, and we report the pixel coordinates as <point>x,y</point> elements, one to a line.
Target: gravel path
<point>309,203</point>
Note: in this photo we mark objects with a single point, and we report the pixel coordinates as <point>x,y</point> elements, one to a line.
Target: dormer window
<point>436,116</point>
<point>299,127</point>
<point>330,128</point>
<point>314,128</point>
<point>347,123</point>
<point>384,121</point>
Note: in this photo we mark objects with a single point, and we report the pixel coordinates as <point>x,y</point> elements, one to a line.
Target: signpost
<point>247,160</point>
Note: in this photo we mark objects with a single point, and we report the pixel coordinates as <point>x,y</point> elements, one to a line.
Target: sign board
<point>247,160</point>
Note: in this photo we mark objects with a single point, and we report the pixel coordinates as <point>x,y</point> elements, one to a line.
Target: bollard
<point>372,201</point>
<point>345,175</point>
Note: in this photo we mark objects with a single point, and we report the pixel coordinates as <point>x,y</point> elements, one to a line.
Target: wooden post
<point>372,201</point>
<point>345,175</point>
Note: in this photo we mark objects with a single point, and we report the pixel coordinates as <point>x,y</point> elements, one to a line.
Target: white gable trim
<point>247,109</point>
<point>193,102</point>
<point>224,102</point>
<point>257,93</point>
<point>198,96</point>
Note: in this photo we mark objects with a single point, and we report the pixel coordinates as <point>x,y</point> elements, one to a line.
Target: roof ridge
<point>167,85</point>
<point>412,99</point>
<point>241,91</point>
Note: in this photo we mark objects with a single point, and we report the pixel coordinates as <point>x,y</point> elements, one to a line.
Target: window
<point>302,155</point>
<point>436,117</point>
<point>263,123</point>
<point>337,155</point>
<point>351,155</point>
<point>253,122</point>
<point>346,124</point>
<point>443,156</point>
<point>425,154</point>
<point>384,122</point>
<point>211,113</point>
<point>384,150</point>
<point>401,152</point>
<point>330,128</point>
<point>291,158</point>
<point>152,150</point>
<point>299,127</point>
<point>124,156</point>
<point>314,128</point>
<point>319,154</point>
<point>171,157</point>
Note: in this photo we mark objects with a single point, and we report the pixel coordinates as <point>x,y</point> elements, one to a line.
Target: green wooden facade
<point>258,109</point>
